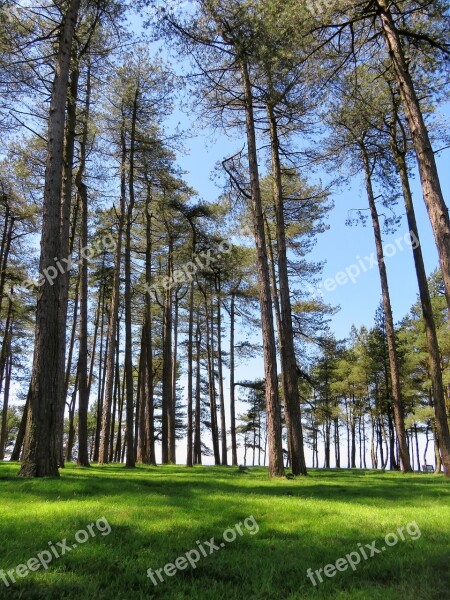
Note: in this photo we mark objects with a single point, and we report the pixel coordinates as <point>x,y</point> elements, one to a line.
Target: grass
<point>158,514</point>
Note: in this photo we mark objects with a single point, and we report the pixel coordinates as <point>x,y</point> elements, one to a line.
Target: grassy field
<point>156,515</point>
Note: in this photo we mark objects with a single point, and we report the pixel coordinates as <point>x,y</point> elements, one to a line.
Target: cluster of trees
<point>105,337</point>
<point>350,401</point>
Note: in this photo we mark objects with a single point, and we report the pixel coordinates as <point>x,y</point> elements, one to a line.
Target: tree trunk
<point>100,396</point>
<point>353,429</point>
<point>431,186</point>
<point>212,383</point>
<point>223,426</point>
<point>427,309</point>
<point>114,312</point>
<point>116,396</point>
<point>41,452</point>
<point>197,424</point>
<point>390,330</point>
<point>15,456</point>
<point>129,385</point>
<point>67,241</point>
<point>5,249</point>
<point>118,451</point>
<point>83,394</point>
<point>173,408</point>
<point>337,449</point>
<point>234,459</point>
<point>72,432</point>
<point>286,334</point>
<point>149,400</point>
<point>4,427</point>
<point>141,451</point>
<point>276,467</point>
<point>190,375</point>
<point>167,393</point>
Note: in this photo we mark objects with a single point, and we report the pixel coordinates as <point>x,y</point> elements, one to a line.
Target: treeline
<point>115,336</point>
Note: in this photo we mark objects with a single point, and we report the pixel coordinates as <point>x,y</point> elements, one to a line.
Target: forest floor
<point>144,519</point>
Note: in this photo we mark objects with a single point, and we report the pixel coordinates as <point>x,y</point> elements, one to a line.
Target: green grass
<point>158,514</point>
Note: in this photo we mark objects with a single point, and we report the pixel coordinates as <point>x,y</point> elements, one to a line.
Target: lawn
<point>149,517</point>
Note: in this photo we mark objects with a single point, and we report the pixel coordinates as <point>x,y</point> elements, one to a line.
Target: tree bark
<point>173,408</point>
<point>15,456</point>
<point>129,385</point>
<point>4,426</point>
<point>431,186</point>
<point>434,355</point>
<point>41,452</point>
<point>390,330</point>
<point>114,312</point>
<point>149,400</point>
<point>167,393</point>
<point>83,393</point>
<point>197,424</point>
<point>141,449</point>
<point>276,467</point>
<point>223,426</point>
<point>286,334</point>
<point>190,376</point>
<point>212,382</point>
<point>234,459</point>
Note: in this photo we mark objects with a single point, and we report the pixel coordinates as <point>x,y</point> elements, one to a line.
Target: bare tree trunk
<point>390,330</point>
<point>197,425</point>
<point>129,386</point>
<point>15,456</point>
<point>234,459</point>
<point>100,396</point>
<point>353,430</point>
<point>416,437</point>
<point>276,467</point>
<point>42,449</point>
<point>72,432</point>
<point>212,383</point>
<point>427,309</point>
<point>72,337</point>
<point>167,392</point>
<point>114,312</point>
<point>4,430</point>
<point>141,451</point>
<point>149,400</point>
<point>116,396</point>
<point>118,451</point>
<point>337,450</point>
<point>94,341</point>
<point>223,426</point>
<point>190,376</point>
<point>5,249</point>
<point>286,334</point>
<point>101,373</point>
<point>173,410</point>
<point>67,241</point>
<point>83,393</point>
<point>431,186</point>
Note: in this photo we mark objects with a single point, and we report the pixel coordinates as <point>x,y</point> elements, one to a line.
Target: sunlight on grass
<point>157,515</point>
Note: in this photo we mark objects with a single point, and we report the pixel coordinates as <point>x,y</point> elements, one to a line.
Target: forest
<point>155,333</point>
